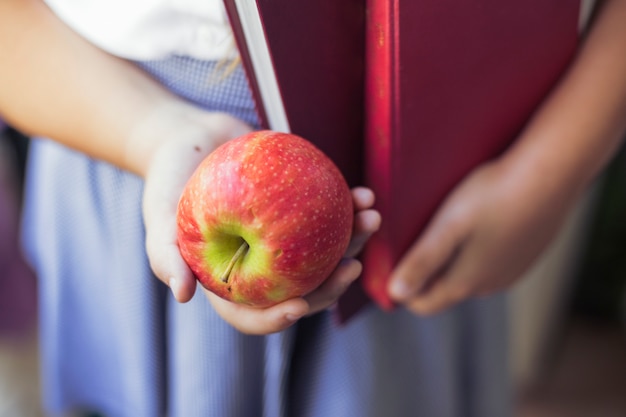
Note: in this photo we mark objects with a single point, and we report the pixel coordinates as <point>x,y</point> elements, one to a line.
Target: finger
<point>363,198</point>
<point>256,321</point>
<point>166,262</point>
<point>162,247</point>
<point>444,293</point>
<point>433,253</point>
<point>366,223</point>
<point>329,292</point>
<point>169,267</point>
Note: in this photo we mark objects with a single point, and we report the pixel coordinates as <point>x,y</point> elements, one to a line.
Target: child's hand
<point>276,318</point>
<point>484,236</point>
<point>504,214</point>
<point>168,170</point>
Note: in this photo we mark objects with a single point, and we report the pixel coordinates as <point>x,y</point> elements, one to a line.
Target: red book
<point>305,66</point>
<point>449,85</point>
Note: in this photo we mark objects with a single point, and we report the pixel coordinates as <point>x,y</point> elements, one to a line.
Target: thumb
<point>169,266</point>
<point>428,259</point>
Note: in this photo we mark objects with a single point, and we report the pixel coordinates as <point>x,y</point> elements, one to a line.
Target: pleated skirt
<point>114,341</point>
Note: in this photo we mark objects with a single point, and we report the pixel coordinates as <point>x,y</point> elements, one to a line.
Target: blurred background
<point>568,315</point>
<point>19,385</point>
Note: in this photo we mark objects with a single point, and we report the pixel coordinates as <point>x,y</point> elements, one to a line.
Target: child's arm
<point>497,221</point>
<point>55,84</point>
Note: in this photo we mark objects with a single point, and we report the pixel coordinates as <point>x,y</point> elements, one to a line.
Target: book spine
<point>379,132</point>
<point>236,25</point>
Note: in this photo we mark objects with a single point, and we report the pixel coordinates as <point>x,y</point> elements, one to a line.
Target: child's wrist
<point>168,121</point>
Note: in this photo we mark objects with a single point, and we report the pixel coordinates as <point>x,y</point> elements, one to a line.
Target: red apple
<point>264,218</point>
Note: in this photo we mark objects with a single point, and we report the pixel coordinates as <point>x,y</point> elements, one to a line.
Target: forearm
<point>580,126</point>
<point>54,83</point>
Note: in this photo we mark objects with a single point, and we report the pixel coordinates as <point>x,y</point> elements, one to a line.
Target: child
<point>114,341</point>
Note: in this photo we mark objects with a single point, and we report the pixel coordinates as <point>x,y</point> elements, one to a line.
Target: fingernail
<point>292,317</point>
<point>399,289</point>
<point>174,286</point>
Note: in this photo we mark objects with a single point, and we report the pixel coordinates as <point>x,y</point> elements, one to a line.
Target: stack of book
<point>407,96</point>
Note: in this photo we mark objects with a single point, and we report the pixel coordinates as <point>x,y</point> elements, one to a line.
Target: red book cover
<point>313,51</point>
<point>449,84</point>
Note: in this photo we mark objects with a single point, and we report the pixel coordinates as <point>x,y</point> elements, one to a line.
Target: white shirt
<point>151,29</point>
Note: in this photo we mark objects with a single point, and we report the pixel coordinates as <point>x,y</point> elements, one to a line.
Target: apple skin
<point>282,196</point>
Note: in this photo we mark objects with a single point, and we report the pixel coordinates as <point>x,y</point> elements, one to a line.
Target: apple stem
<point>229,268</point>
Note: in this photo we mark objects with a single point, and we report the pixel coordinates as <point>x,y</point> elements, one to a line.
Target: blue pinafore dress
<point>114,341</point>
